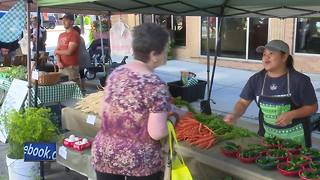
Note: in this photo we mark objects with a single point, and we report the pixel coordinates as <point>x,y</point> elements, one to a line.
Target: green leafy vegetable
<point>289,144</point>
<point>215,123</point>
<point>230,146</point>
<point>290,167</point>
<point>16,72</point>
<point>298,159</point>
<point>29,125</point>
<point>279,153</point>
<point>274,141</point>
<point>311,174</point>
<point>265,160</point>
<point>315,165</point>
<point>257,147</point>
<point>222,129</point>
<point>249,153</point>
<point>313,153</point>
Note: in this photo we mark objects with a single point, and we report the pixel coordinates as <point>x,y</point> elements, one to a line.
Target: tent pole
<point>36,84</point>
<point>36,58</point>
<point>29,68</point>
<point>81,24</point>
<point>102,46</point>
<point>208,55</point>
<point>205,104</point>
<point>218,49</point>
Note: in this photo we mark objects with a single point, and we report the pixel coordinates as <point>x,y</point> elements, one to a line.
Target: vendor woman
<point>285,97</point>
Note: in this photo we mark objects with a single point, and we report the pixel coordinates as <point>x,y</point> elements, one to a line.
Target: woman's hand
<point>238,110</point>
<point>285,119</point>
<point>179,111</point>
<point>229,119</point>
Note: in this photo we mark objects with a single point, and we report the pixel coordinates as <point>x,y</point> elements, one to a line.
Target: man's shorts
<point>72,72</point>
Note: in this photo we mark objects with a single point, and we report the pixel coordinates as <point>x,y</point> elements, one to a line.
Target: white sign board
<point>91,119</point>
<point>14,100</point>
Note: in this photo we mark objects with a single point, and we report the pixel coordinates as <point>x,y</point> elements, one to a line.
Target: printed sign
<point>35,75</point>
<point>40,152</point>
<point>91,119</point>
<point>63,152</point>
<point>14,100</point>
<point>16,95</point>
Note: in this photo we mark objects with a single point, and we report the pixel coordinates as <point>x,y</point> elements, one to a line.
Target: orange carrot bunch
<point>192,131</point>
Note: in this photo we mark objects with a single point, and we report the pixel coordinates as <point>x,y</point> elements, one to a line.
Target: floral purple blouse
<point>123,145</point>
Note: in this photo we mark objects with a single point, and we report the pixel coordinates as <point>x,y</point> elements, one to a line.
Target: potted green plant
<point>27,125</point>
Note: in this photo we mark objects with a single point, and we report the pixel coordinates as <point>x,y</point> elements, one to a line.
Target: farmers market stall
<point>233,8</point>
<point>57,93</point>
<point>221,9</point>
<point>75,160</point>
<point>204,164</point>
<point>48,95</point>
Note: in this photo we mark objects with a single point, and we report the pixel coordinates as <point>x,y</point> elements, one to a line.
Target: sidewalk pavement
<point>227,84</point>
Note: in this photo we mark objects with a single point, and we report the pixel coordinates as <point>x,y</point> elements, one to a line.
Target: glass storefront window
<point>234,37</point>
<point>212,39</point>
<point>258,36</point>
<point>164,20</point>
<point>179,30</point>
<point>146,18</point>
<point>308,35</point>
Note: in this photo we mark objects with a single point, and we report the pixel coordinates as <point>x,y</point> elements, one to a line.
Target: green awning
<point>227,8</point>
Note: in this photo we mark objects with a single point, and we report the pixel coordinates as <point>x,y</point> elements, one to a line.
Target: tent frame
<point>205,105</point>
<point>262,12</point>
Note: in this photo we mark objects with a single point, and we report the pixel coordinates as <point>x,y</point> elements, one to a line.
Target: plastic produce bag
<point>179,171</point>
<point>120,39</point>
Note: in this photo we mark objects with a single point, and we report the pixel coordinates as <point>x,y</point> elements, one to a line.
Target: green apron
<point>271,107</point>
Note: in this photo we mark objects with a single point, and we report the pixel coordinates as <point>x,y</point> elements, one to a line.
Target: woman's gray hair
<point>148,37</point>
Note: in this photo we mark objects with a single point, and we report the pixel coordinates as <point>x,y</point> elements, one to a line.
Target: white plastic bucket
<point>20,170</point>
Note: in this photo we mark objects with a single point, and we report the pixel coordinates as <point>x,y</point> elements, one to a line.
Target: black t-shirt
<point>301,88</point>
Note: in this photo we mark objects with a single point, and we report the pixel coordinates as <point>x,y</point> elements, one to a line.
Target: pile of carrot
<point>192,131</point>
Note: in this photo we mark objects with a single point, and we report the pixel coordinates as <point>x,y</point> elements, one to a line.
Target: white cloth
<point>120,39</point>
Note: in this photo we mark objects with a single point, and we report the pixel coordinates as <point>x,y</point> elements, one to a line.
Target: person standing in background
<point>8,50</point>
<point>84,59</point>
<point>42,37</point>
<point>67,51</point>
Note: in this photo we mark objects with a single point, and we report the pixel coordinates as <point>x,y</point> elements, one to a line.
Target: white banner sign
<point>14,100</point>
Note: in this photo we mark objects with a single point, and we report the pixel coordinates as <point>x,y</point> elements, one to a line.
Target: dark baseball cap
<point>68,16</point>
<point>275,45</point>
